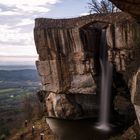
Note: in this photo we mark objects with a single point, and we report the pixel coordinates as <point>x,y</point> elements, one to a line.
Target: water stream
<point>106,83</point>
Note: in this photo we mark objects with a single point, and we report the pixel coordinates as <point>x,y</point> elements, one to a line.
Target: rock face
<point>130,6</point>
<point>69,67</point>
<point>71,106</point>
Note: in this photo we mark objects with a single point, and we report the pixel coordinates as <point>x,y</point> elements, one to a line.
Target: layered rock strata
<point>69,67</point>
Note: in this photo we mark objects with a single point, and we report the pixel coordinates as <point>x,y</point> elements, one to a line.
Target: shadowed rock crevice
<point>121,99</point>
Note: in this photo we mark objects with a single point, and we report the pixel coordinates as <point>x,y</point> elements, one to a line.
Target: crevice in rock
<point>121,105</point>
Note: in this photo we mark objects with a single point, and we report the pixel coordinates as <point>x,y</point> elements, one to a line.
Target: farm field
<point>15,87</point>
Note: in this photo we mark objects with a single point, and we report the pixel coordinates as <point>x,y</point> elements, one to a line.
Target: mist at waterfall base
<point>89,129</point>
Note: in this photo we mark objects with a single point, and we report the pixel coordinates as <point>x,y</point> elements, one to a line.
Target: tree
<point>102,6</point>
<point>32,107</point>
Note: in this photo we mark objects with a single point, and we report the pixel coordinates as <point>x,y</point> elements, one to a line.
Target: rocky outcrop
<point>130,6</point>
<point>69,67</point>
<point>70,106</point>
<point>132,133</point>
<point>124,50</point>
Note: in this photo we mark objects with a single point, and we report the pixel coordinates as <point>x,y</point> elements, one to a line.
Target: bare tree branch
<point>104,6</point>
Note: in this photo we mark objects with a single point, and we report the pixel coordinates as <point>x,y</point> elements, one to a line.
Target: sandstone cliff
<point>69,66</point>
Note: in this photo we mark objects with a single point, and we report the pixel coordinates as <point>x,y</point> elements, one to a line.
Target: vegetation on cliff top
<point>103,6</point>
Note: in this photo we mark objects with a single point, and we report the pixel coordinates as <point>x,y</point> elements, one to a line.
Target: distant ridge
<point>17,67</point>
<point>19,75</point>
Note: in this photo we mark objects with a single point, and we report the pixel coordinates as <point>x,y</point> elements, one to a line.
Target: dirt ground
<point>27,132</point>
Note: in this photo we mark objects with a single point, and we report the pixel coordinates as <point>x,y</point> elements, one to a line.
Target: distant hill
<point>16,67</point>
<point>19,75</point>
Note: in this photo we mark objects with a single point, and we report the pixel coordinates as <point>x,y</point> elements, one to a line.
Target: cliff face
<point>129,6</point>
<point>69,62</point>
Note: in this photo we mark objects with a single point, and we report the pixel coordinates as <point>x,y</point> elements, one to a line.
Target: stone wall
<point>69,61</point>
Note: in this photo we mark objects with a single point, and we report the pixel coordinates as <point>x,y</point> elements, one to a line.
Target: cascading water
<point>106,82</point>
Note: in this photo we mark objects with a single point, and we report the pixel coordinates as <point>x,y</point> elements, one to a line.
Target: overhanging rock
<point>69,61</point>
<point>129,6</point>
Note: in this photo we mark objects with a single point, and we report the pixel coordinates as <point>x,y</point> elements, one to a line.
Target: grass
<point>8,90</point>
<point>16,92</point>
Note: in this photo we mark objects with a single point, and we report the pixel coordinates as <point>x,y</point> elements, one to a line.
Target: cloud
<point>16,24</point>
<point>84,14</point>
<point>7,8</point>
<point>14,37</point>
<point>17,60</point>
<point>9,13</point>
<point>25,22</point>
<point>30,5</point>
<point>27,50</point>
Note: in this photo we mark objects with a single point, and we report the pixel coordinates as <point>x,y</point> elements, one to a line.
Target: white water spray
<point>106,82</point>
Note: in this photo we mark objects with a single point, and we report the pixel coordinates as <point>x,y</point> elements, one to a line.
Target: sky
<point>17,23</point>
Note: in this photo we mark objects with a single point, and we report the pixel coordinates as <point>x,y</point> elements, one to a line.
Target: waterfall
<point>106,82</point>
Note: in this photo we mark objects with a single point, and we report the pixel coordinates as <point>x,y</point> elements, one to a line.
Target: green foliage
<point>15,85</point>
<point>6,90</point>
<point>32,107</point>
<point>4,131</point>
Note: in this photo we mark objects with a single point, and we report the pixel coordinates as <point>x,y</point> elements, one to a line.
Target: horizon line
<point>18,56</point>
